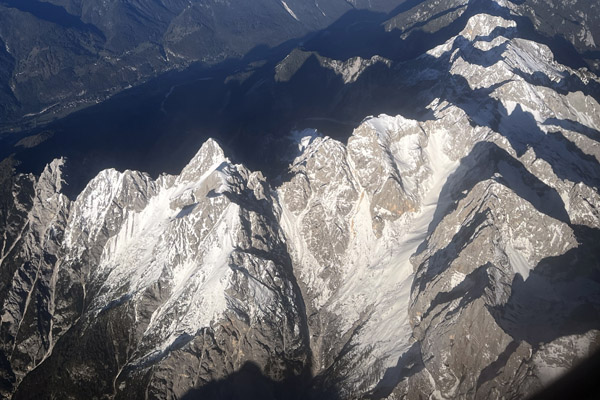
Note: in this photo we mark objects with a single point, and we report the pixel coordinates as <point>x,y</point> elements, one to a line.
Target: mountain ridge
<point>451,255</point>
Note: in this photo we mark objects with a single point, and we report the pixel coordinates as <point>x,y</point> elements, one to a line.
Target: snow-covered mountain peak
<point>206,159</point>
<point>174,256</point>
<point>481,26</point>
<point>53,174</point>
<point>482,31</point>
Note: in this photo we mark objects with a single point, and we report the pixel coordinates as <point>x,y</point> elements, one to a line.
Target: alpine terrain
<point>79,52</point>
<point>445,247</point>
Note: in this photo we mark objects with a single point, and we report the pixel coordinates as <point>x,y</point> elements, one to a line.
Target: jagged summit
<point>209,155</point>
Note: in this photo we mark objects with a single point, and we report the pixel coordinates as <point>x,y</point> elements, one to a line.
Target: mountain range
<point>404,204</point>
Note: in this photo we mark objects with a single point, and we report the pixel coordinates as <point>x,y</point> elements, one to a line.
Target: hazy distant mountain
<point>77,52</point>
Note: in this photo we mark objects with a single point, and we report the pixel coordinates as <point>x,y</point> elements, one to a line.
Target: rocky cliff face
<point>137,277</point>
<point>453,255</point>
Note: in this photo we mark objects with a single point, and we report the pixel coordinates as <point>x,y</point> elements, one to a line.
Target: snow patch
<point>304,138</point>
<point>456,279</point>
<point>484,25</point>
<point>319,8</point>
<point>289,10</point>
<point>518,262</point>
<point>385,262</point>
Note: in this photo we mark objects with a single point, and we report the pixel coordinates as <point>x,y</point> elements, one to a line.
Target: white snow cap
<point>484,25</point>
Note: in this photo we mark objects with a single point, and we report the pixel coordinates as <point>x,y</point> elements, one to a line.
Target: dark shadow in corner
<point>249,383</point>
<point>560,297</point>
<point>579,383</point>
